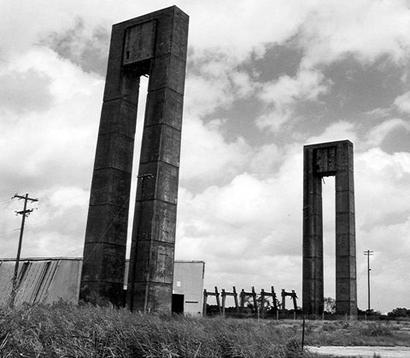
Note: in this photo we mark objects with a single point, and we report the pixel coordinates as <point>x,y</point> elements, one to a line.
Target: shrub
<point>399,312</point>
<point>376,329</point>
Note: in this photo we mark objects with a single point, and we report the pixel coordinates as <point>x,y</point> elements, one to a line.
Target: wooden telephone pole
<point>24,213</point>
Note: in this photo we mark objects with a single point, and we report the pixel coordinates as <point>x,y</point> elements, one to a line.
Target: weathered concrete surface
<point>156,45</point>
<point>329,159</point>
<point>153,238</point>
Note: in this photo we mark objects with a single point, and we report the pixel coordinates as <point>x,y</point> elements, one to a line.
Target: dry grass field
<point>358,333</point>
<point>71,331</point>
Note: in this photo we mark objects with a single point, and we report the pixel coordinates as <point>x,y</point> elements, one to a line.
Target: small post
<point>235,297</point>
<point>303,330</point>
<point>242,297</point>
<point>218,302</point>
<point>204,304</point>
<point>262,305</point>
<point>283,299</point>
<point>257,312</point>
<point>294,297</point>
<point>255,303</point>
<point>223,294</point>
<point>275,302</point>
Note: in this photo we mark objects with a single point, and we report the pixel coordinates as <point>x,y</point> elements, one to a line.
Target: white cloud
<point>49,153</point>
<point>55,229</point>
<point>388,264</point>
<point>336,131</point>
<point>377,134</point>
<point>285,92</point>
<point>328,29</point>
<point>403,102</point>
<point>205,153</point>
<point>366,29</point>
<point>23,91</point>
<point>382,223</point>
<point>247,28</point>
<point>214,83</point>
<point>204,96</point>
<point>266,159</point>
<point>307,85</point>
<point>61,136</point>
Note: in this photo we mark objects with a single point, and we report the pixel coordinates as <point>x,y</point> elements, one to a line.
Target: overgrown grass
<point>70,331</point>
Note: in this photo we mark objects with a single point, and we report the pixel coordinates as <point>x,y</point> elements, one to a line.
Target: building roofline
<point>328,144</point>
<point>80,259</point>
<point>42,258</point>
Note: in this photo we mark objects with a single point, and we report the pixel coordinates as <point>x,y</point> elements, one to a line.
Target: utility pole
<point>24,213</point>
<point>368,253</point>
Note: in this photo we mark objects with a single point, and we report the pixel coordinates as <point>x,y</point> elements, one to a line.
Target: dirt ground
<point>364,351</point>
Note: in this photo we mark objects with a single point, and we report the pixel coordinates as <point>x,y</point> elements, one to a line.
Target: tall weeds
<point>70,331</point>
<point>64,330</point>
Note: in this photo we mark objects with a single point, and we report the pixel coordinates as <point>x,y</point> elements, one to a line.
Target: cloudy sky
<point>263,79</point>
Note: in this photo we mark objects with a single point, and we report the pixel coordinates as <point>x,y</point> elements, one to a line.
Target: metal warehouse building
<point>48,280</point>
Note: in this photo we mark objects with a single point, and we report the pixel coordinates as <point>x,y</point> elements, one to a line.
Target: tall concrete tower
<point>154,45</point>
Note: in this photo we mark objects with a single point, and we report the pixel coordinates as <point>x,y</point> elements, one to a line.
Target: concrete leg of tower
<point>346,295</point>
<point>106,232</point>
<point>312,238</point>
<point>153,238</point>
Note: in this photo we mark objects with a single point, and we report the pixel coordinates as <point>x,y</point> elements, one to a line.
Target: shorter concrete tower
<point>320,160</point>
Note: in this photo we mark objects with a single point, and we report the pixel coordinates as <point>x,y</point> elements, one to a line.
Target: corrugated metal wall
<point>41,280</point>
<point>6,275</point>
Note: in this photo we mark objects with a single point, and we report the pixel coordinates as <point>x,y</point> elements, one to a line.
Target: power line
<point>368,253</point>
<point>24,213</point>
